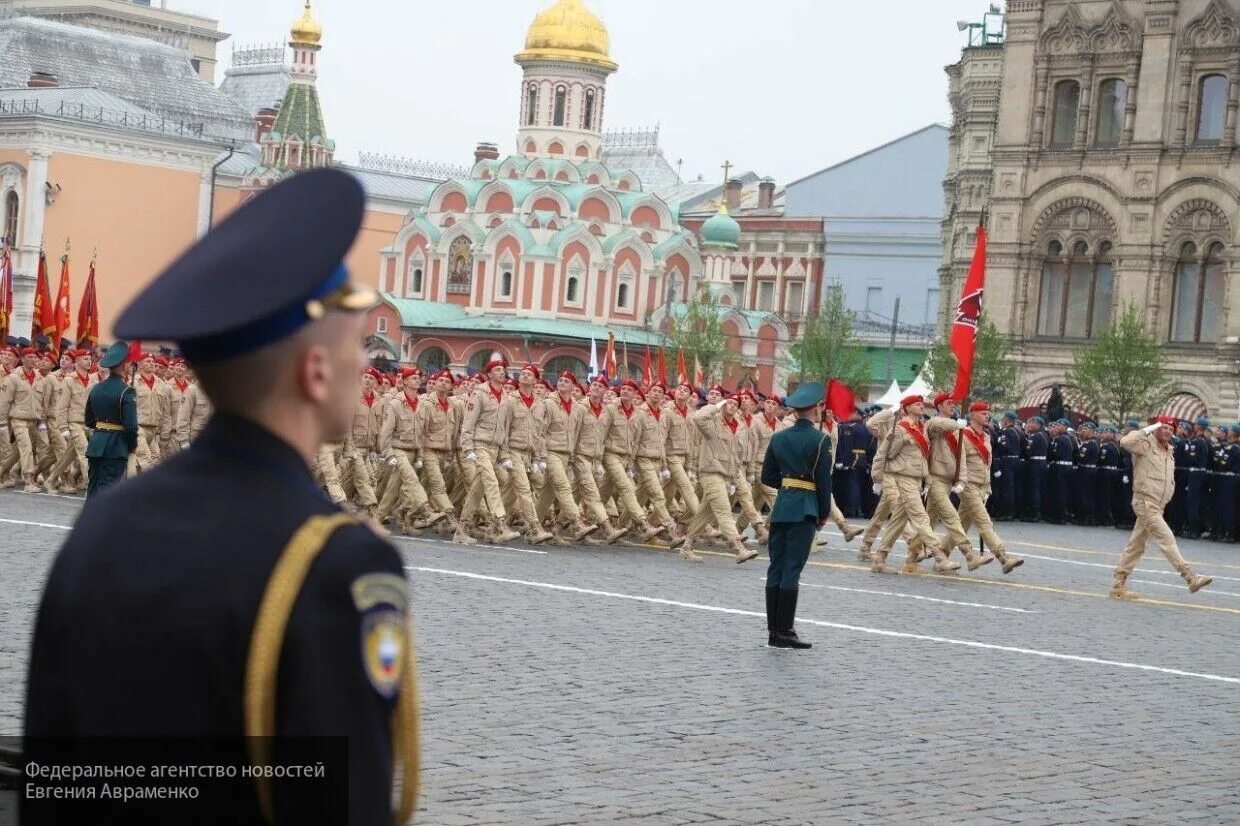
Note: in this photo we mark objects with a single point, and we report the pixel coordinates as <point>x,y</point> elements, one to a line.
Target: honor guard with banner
<point>255,607</point>
<point>798,465</point>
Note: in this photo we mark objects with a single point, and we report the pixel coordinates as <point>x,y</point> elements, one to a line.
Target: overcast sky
<point>782,87</point>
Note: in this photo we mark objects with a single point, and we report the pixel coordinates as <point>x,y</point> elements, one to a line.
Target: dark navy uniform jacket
<point>194,542</point>
<point>1062,449</point>
<point>792,453</point>
<point>1199,453</point>
<point>1037,445</point>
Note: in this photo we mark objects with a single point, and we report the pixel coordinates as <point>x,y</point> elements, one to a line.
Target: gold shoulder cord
<point>266,640</point>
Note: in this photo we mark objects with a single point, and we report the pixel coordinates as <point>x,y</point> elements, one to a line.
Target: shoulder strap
<point>262,664</point>
<point>821,442</point>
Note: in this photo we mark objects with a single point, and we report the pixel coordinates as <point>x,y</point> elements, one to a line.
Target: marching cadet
<point>1087,457</point>
<point>585,434</point>
<point>8,363</point>
<point>765,425</point>
<point>1198,467</point>
<point>361,442</point>
<point>398,443</point>
<point>947,477</point>
<point>650,437</point>
<point>977,459</point>
<point>517,456</point>
<point>151,410</point>
<point>680,451</point>
<point>484,432</point>
<point>111,414</point>
<point>718,466</point>
<point>880,426</point>
<point>440,425</point>
<point>1108,474</point>
<point>557,452</point>
<point>70,422</point>
<point>1007,474</point>
<point>619,452</point>
<point>22,416</point>
<point>749,467</point>
<point>906,452</point>
<point>254,637</point>
<point>798,463</point>
<point>1153,480</point>
<point>52,389</point>
<point>194,413</point>
<point>1036,454</point>
<point>178,385</point>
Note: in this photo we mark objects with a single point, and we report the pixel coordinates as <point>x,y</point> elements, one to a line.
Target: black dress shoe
<point>785,637</point>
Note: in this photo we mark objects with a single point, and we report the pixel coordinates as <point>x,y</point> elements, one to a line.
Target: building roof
<point>393,187</point>
<point>638,151</point>
<point>301,116</point>
<point>93,107</point>
<point>257,79</point>
<point>417,313</point>
<point>146,74</point>
<point>879,148</point>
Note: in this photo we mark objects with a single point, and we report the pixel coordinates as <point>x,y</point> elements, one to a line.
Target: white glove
<point>542,466</point>
<point>4,428</point>
<point>958,488</point>
<point>417,465</point>
<point>600,471</point>
<point>471,456</point>
<point>731,490</point>
<point>506,464</point>
<point>184,445</point>
<point>393,461</point>
<point>1125,480</point>
<point>665,474</point>
<point>374,457</point>
<point>840,466</point>
<point>632,473</point>
<point>42,426</point>
<point>693,476</point>
<point>65,434</point>
<point>750,478</point>
<point>877,488</point>
<point>998,473</point>
<point>963,423</point>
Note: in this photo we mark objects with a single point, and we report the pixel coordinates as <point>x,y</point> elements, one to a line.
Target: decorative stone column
<point>32,241</point>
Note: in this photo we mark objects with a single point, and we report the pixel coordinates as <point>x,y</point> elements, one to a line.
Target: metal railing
<point>85,113</point>
<point>378,162</point>
<point>631,138</point>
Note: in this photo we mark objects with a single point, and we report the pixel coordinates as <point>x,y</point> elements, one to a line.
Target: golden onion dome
<point>568,31</point>
<point>306,29</point>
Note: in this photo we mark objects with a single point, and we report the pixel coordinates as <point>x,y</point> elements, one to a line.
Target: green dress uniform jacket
<point>802,453</point>
<point>112,402</point>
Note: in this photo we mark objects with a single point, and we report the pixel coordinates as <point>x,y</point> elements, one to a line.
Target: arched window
<point>415,279</point>
<point>531,105</point>
<point>1076,291</point>
<point>559,364</point>
<point>433,359</point>
<point>587,118</point>
<point>1067,101</point>
<point>622,296</point>
<point>1196,310</point>
<point>561,99</point>
<point>505,285</point>
<point>1112,98</point>
<point>1211,108</point>
<point>11,207</point>
<point>572,291</point>
<point>675,287</point>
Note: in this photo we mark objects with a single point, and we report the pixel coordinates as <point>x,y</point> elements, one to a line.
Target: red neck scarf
<point>148,381</point>
<point>748,419</point>
<point>627,411</point>
<point>84,378</point>
<point>443,403</point>
<point>498,394</point>
<point>412,401</point>
<point>732,424</point>
<point>980,443</point>
<point>597,411</point>
<point>772,423</point>
<point>29,376</point>
<point>368,399</point>
<point>918,433</point>
<point>655,411</point>
<point>683,411</point>
<point>567,404</point>
<point>182,385</point>
<point>953,443</point>
<point>528,401</point>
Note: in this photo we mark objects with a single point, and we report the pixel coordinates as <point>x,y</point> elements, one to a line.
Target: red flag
<point>61,316</point>
<point>647,368</point>
<point>88,314</point>
<point>968,316</point>
<point>682,369</point>
<point>624,361</point>
<point>43,314</point>
<point>609,361</point>
<point>840,400</point>
<point>135,351</point>
<point>663,365</point>
<point>699,375</point>
<point>6,292</point>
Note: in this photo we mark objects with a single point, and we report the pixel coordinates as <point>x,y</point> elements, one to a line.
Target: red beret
<point>162,362</point>
<point>444,374</point>
<point>745,394</point>
<point>633,384</point>
<point>1170,421</point>
<point>717,388</point>
<point>77,354</point>
<point>979,407</point>
<point>174,362</point>
<point>659,385</point>
<point>687,384</point>
<point>406,372</point>
<point>533,369</point>
<point>779,400</point>
<point>907,400</point>
<point>942,397</point>
<point>30,351</point>
<point>511,383</point>
<point>493,363</point>
<point>601,381</point>
<point>146,356</point>
<point>8,348</point>
<point>571,376</point>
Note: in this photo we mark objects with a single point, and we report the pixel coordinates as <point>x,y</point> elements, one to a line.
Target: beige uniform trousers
<point>466,472</point>
<point>587,488</point>
<point>619,484</point>
<point>75,452</point>
<point>558,490</point>
<point>146,456</point>
<point>939,509</point>
<point>404,488</point>
<point>744,497</point>
<point>680,485</point>
<point>518,490</point>
<point>650,489</point>
<point>326,469</point>
<point>485,488</point>
<point>882,513</point>
<point>765,497</point>
<point>906,509</point>
<point>435,480</point>
<point>357,476</point>
<point>973,513</point>
<point>30,449</point>
<point>716,507</point>
<point>1150,525</point>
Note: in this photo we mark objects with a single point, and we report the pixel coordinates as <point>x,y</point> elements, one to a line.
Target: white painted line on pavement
<point>861,629</point>
<point>37,524</point>
<point>1154,571</point>
<point>919,597</point>
<point>1181,586</point>
<point>479,546</point>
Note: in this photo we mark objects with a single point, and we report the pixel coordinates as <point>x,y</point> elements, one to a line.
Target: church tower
<point>298,139</point>
<point>567,62</point>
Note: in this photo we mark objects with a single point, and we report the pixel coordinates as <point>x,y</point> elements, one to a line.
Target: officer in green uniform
<point>798,465</point>
<point>112,415</point>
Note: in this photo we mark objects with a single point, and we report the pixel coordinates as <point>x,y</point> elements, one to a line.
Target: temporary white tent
<point>892,397</point>
<point>918,387</point>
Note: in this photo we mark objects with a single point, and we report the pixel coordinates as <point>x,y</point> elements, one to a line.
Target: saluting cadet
<point>798,464</point>
<point>262,610</point>
<point>947,477</point>
<point>1154,474</point>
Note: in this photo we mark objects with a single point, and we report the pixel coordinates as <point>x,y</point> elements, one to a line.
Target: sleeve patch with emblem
<point>384,650</point>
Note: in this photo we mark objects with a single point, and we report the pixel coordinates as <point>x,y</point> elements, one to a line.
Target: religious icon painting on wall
<point>460,266</point>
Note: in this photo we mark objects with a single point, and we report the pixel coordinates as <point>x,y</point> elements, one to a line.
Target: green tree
<point>699,331</point>
<point>994,371</point>
<point>1122,374</point>
<point>828,347</point>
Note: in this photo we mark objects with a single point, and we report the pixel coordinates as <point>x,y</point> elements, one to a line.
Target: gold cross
<point>727,168</point>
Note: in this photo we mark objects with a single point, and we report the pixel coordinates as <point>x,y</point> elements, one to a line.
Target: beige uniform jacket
<point>618,430</point>
<point>650,432</point>
<point>194,414</point>
<point>439,425</point>
<point>176,398</point>
<point>903,455</point>
<point>71,402</point>
<point>1153,467</point>
<point>943,433</point>
<point>976,466</point>
<point>524,425</point>
<point>401,427</point>
<point>485,420</point>
<point>151,402</point>
<point>586,431</point>
<point>717,452</point>
<point>22,397</point>
<point>879,425</point>
<point>557,434</point>
<point>680,430</point>
<point>367,419</point>
<point>763,431</point>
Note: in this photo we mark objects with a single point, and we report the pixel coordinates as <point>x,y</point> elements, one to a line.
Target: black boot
<point>784,635</point>
<point>772,609</point>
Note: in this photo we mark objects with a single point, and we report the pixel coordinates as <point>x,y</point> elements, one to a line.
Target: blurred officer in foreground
<point>255,607</point>
<point>112,415</point>
<point>798,465</point>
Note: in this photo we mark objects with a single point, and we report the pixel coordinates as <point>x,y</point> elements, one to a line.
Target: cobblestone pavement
<point>595,685</point>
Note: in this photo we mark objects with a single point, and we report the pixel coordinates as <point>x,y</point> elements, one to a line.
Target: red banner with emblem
<point>968,316</point>
<point>88,314</point>
<point>61,315</point>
